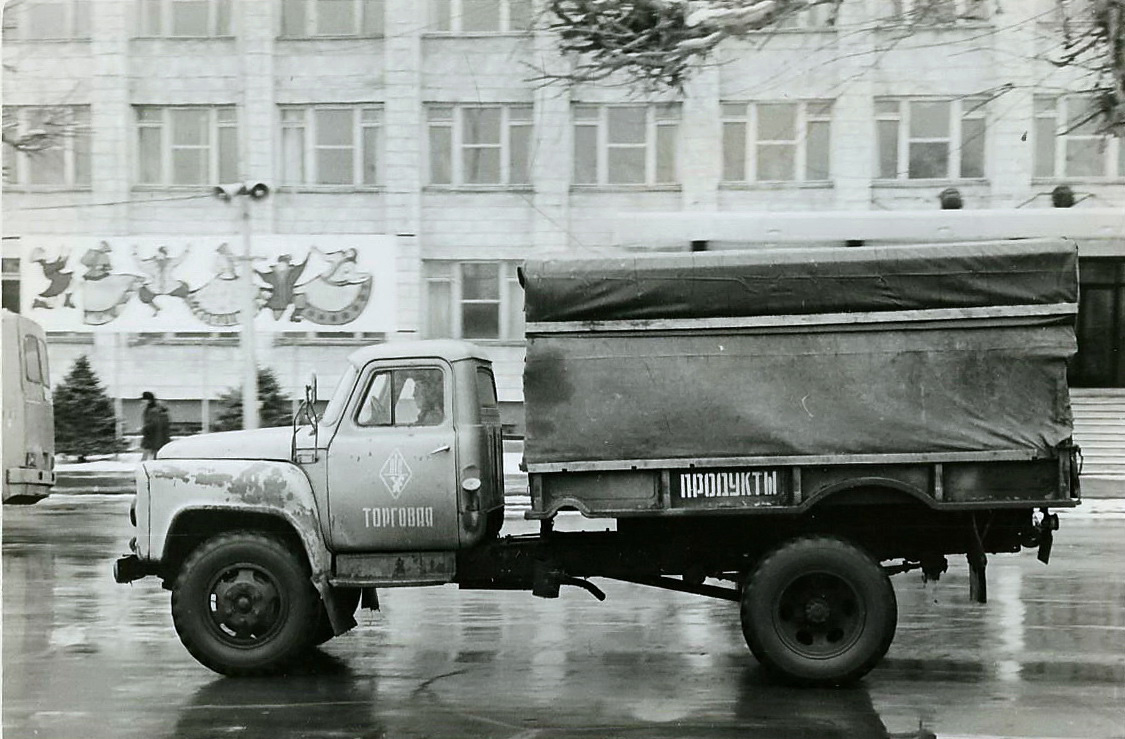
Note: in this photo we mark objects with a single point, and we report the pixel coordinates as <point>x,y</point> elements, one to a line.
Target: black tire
<point>243,604</point>
<point>819,611</point>
<point>348,598</point>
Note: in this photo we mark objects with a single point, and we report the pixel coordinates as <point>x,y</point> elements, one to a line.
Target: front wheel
<point>243,604</point>
<point>819,611</point>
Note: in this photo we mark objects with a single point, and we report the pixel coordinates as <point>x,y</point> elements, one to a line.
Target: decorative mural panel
<point>159,284</point>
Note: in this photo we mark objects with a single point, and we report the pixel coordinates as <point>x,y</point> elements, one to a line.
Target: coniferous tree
<point>274,407</point>
<point>85,423</point>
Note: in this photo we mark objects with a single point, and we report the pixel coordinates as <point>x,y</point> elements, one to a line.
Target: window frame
<point>823,17</point>
<point>156,19</point>
<point>446,18</point>
<point>749,119</point>
<point>364,117</point>
<point>74,154</point>
<point>960,110</point>
<point>76,21</point>
<point>657,116</point>
<point>398,375</point>
<point>1112,156</point>
<point>965,12</point>
<point>453,127</point>
<point>218,163</point>
<point>510,324</point>
<point>311,19</point>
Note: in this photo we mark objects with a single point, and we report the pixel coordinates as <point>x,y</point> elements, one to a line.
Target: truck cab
<point>409,454</point>
<point>403,469</point>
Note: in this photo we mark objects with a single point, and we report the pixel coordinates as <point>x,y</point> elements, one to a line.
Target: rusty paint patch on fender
<point>216,479</point>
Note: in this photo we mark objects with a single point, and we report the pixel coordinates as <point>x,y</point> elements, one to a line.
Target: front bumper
<point>129,568</point>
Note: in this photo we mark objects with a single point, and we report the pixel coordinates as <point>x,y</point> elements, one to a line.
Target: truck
<point>784,429</point>
<point>29,417</point>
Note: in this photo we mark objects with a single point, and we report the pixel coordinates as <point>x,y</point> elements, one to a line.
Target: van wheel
<point>819,611</point>
<point>243,604</point>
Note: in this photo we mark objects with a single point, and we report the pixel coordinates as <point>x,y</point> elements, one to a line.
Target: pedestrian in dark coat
<point>154,432</point>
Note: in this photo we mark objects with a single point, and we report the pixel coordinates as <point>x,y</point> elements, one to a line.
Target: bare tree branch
<point>655,45</point>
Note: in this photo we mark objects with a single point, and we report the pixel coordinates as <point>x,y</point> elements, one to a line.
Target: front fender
<point>177,486</point>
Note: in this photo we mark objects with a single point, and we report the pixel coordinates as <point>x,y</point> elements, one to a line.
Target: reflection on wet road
<point>84,657</point>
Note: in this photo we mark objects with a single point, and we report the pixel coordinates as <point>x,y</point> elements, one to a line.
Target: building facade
<point>413,159</point>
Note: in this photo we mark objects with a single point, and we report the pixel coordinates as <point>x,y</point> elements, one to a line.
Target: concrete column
<point>1009,149</point>
<point>701,136</point>
<point>257,119</point>
<point>552,151</point>
<point>853,149</point>
<point>112,123</point>
<point>112,128</point>
<point>404,129</point>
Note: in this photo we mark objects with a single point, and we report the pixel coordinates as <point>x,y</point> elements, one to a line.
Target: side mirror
<point>310,389</point>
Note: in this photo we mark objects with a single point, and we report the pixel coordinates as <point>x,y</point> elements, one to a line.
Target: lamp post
<point>247,191</point>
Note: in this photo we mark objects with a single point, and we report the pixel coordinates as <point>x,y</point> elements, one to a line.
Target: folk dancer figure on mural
<point>282,280</point>
<point>218,301</point>
<point>340,293</point>
<point>58,280</point>
<point>158,278</point>
<point>104,292</point>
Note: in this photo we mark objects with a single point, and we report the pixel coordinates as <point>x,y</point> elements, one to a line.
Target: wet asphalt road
<point>84,657</point>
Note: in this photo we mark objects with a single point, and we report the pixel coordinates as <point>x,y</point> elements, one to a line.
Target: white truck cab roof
<point>447,349</point>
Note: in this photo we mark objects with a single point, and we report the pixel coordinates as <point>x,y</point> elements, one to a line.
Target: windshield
<point>339,399</point>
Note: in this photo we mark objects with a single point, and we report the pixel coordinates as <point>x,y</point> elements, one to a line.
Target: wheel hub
<point>246,604</point>
<point>817,611</point>
<point>819,615</point>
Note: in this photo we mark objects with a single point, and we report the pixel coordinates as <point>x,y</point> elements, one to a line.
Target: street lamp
<point>246,191</point>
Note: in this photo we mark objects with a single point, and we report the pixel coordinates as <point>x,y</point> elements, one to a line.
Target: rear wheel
<point>243,604</point>
<point>819,611</point>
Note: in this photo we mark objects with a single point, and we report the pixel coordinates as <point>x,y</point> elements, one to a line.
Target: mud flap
<point>978,563</point>
<point>1047,526</point>
<point>341,622</point>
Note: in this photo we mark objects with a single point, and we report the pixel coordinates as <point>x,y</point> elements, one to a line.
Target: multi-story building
<point>413,160</point>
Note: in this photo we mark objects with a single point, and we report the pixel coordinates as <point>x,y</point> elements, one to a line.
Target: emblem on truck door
<point>395,474</point>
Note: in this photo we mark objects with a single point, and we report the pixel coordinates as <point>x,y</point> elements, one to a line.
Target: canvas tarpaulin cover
<point>899,387</point>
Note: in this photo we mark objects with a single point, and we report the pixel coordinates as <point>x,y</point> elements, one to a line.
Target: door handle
<point>442,448</point>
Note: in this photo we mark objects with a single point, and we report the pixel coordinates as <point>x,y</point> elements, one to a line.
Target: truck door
<point>392,462</point>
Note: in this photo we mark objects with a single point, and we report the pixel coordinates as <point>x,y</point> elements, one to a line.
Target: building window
<point>1068,143</point>
<point>776,142</point>
<point>923,12</point>
<point>480,16</point>
<point>473,300</point>
<point>307,18</point>
<point>331,144</point>
<point>52,146</point>
<point>47,20</point>
<point>187,146</point>
<point>479,144</point>
<point>930,139</point>
<point>1100,361</point>
<point>186,18</point>
<point>818,16</point>
<point>625,144</point>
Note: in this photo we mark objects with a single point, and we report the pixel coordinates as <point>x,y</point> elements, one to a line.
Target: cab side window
<point>404,397</point>
<point>33,365</point>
